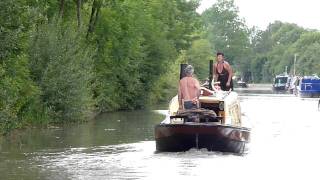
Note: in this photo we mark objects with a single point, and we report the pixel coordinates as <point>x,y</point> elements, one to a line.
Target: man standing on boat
<point>189,90</point>
<point>223,73</point>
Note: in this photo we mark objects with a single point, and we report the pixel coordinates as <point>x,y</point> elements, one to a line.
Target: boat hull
<point>213,137</point>
<point>309,94</point>
<point>309,87</point>
<point>279,88</point>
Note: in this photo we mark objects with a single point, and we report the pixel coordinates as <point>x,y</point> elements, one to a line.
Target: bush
<point>62,67</point>
<point>17,94</point>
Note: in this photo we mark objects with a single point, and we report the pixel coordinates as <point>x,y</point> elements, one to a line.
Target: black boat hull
<point>280,88</point>
<point>213,137</point>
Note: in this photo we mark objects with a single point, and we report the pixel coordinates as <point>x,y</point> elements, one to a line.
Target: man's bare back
<point>189,88</point>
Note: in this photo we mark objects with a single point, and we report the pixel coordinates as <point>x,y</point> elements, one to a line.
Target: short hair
<point>220,53</point>
<point>189,70</point>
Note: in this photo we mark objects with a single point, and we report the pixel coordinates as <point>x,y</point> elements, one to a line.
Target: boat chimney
<point>182,73</point>
<point>210,73</point>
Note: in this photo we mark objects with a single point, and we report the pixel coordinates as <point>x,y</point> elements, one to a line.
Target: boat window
<point>281,80</point>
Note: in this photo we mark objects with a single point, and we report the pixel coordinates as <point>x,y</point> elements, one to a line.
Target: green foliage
<point>119,57</point>
<point>51,73</point>
<point>227,32</point>
<point>14,25</point>
<point>199,55</point>
<point>17,93</point>
<point>135,47</point>
<point>19,96</point>
<point>166,86</point>
<point>307,49</point>
<point>278,45</point>
<point>260,55</point>
<point>62,68</point>
<point>287,34</point>
<point>56,67</point>
<point>257,67</point>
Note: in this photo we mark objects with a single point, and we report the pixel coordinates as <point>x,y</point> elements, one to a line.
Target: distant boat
<point>239,82</point>
<point>309,86</point>
<point>242,84</point>
<point>216,126</point>
<point>280,83</point>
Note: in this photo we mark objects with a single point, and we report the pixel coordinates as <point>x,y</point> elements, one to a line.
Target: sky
<point>261,13</point>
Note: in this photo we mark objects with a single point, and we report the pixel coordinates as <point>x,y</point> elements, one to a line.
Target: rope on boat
<point>197,115</point>
<point>200,111</point>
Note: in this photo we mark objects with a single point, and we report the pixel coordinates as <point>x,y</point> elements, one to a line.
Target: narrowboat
<point>309,87</point>
<point>241,84</point>
<point>216,125</point>
<point>280,83</point>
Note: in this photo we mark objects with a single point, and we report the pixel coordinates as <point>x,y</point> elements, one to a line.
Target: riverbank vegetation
<point>63,60</point>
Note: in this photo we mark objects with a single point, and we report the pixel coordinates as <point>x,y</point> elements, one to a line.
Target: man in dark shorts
<point>189,90</point>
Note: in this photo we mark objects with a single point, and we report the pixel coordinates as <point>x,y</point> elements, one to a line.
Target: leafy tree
<point>199,55</point>
<point>18,94</point>
<point>227,32</point>
<point>49,72</point>
<point>135,48</point>
<point>306,47</point>
<point>276,46</point>
<point>62,68</point>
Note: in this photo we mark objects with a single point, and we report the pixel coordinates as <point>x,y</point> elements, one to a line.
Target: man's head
<point>220,56</point>
<point>189,70</point>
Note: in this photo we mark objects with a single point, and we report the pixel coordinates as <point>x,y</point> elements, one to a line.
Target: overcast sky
<point>260,13</point>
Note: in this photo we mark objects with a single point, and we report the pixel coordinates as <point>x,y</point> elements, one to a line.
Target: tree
<point>227,32</point>
<point>136,47</point>
<point>308,55</point>
<point>18,94</point>
<point>276,46</point>
<point>199,55</point>
<point>62,68</point>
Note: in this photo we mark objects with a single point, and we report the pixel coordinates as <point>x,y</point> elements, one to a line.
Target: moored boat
<point>242,84</point>
<point>309,86</point>
<point>280,83</point>
<point>216,125</point>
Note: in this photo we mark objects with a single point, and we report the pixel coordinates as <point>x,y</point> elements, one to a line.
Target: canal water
<point>284,145</point>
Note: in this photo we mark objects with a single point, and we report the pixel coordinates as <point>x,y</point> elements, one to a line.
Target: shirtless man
<point>189,90</point>
<point>223,73</point>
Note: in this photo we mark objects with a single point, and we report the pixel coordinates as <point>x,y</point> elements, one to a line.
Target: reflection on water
<point>108,128</point>
<point>284,145</point>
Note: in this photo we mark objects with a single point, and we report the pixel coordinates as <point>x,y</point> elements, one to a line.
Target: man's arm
<point>229,69</point>
<point>180,96</point>
<point>215,74</point>
<point>197,84</point>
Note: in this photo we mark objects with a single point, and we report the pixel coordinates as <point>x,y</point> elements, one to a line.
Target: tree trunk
<point>79,12</point>
<point>61,8</point>
<point>96,18</point>
<point>93,11</point>
<point>93,17</point>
